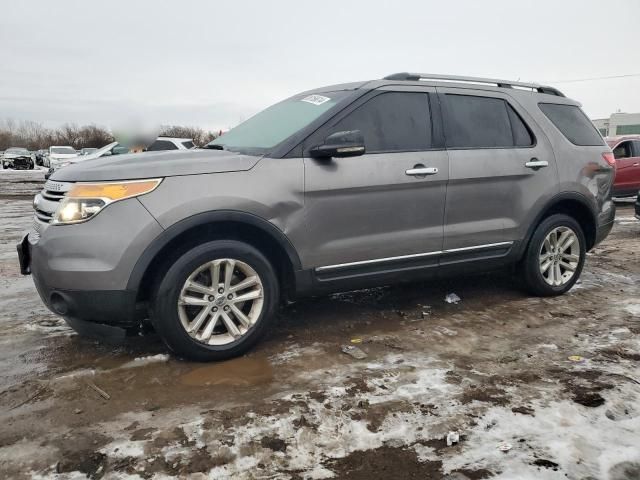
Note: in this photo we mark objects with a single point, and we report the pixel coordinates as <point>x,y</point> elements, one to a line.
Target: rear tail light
<point>609,158</point>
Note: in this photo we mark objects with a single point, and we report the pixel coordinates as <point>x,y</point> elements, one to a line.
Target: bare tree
<point>35,136</point>
<point>200,137</point>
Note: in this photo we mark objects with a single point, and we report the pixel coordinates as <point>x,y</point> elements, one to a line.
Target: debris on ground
<point>452,438</point>
<point>354,352</point>
<point>101,392</point>
<point>575,358</point>
<point>356,340</point>
<point>452,298</point>
<point>504,446</point>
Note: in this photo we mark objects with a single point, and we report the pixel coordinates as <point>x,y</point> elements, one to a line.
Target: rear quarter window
<point>572,123</point>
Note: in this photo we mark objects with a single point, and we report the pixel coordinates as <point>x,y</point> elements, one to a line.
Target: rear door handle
<point>535,164</point>
<point>421,171</point>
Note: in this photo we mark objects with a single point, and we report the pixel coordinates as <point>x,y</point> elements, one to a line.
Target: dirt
<point>385,462</point>
<point>541,462</point>
<point>494,368</point>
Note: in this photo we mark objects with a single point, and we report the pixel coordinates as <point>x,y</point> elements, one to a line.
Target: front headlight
<point>86,200</point>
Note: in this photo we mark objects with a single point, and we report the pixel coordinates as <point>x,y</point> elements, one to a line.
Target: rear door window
<point>188,145</point>
<point>573,124</point>
<point>483,122</point>
<point>636,148</point>
<point>391,122</point>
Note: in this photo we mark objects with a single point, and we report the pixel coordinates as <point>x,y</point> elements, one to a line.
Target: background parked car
<point>171,143</point>
<point>113,148</point>
<point>18,158</point>
<point>626,150</point>
<point>58,155</point>
<point>40,157</point>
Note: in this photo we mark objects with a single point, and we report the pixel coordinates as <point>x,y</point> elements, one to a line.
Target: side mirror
<point>107,153</point>
<point>340,144</point>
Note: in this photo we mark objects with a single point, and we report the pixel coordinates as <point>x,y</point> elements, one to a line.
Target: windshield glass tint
<point>278,122</point>
<point>63,151</point>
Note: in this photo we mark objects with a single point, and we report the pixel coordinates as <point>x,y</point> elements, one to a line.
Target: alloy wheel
<point>559,256</point>
<point>220,301</point>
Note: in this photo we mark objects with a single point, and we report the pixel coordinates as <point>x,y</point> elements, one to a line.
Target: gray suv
<point>338,188</point>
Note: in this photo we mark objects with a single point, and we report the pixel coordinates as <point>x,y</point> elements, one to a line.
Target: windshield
<point>63,151</point>
<point>268,128</point>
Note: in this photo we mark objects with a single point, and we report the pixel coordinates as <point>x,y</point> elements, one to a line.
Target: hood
<point>155,164</point>
<point>12,156</point>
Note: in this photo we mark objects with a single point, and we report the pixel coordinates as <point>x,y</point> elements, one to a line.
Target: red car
<point>626,150</point>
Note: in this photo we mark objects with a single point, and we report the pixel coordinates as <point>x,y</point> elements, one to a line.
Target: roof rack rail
<point>414,77</point>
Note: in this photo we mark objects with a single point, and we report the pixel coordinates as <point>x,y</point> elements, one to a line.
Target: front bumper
<point>20,163</point>
<point>111,307</point>
<point>81,271</point>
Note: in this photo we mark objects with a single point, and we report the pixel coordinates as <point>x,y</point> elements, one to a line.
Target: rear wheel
<point>555,256</point>
<point>215,301</point>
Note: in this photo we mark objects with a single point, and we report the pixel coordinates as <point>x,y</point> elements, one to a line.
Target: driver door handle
<point>535,164</point>
<point>421,171</point>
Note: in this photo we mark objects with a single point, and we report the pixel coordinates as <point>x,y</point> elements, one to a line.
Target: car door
<point>500,166</point>
<point>626,168</point>
<point>382,210</point>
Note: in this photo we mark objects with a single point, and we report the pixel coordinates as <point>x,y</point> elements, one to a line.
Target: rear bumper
<point>604,222</point>
<point>602,232</point>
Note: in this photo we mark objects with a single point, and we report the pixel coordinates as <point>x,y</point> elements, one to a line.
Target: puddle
<point>240,371</point>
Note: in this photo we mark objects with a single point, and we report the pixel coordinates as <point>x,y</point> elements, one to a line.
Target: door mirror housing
<point>340,144</point>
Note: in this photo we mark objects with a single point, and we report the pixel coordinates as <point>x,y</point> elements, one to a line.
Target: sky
<point>213,64</point>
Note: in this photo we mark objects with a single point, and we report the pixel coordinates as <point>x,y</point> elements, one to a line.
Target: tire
<point>538,256</point>
<point>171,318</point>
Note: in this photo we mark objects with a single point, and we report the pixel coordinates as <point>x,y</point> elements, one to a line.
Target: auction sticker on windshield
<point>316,99</point>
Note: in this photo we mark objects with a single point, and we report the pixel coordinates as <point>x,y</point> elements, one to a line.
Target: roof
<point>619,138</point>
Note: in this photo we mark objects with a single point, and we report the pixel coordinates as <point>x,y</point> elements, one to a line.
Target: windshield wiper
<point>214,147</point>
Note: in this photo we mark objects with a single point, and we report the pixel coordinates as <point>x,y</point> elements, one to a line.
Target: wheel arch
<point>574,205</point>
<point>225,224</point>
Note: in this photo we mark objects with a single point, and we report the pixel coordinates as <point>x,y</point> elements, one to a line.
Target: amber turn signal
<point>113,191</point>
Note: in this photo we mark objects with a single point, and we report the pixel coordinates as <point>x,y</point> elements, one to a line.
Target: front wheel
<point>215,301</point>
<point>555,256</point>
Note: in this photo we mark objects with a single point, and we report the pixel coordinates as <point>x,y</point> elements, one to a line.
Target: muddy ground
<point>494,368</point>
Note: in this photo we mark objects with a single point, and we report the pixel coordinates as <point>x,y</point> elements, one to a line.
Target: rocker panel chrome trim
<point>407,257</point>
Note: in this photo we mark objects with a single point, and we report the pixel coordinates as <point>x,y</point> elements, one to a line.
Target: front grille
<point>46,202</point>
<point>43,216</point>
